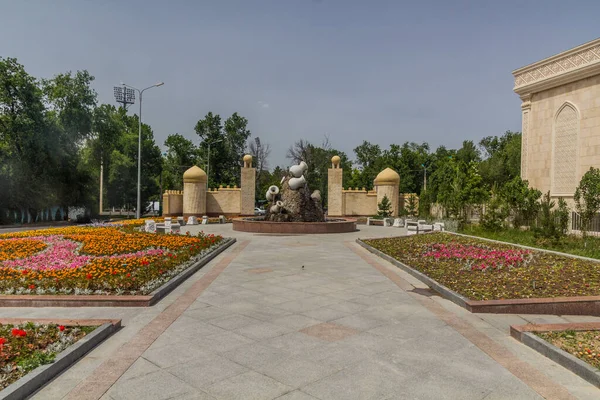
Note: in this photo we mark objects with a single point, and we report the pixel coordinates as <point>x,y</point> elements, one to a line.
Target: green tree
<point>587,198</point>
<point>548,226</point>
<point>260,156</point>
<point>384,208</point>
<point>22,142</point>
<point>521,200</point>
<point>122,188</point>
<point>495,213</point>
<point>181,154</point>
<point>502,161</point>
<point>562,216</point>
<point>411,205</point>
<point>369,160</point>
<point>72,102</point>
<point>227,146</point>
<point>318,159</point>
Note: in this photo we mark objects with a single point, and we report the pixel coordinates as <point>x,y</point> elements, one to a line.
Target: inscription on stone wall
<point>564,165</point>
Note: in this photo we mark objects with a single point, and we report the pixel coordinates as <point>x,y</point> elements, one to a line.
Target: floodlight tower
<point>125,96</point>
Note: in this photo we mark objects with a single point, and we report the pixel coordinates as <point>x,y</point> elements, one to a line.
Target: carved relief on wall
<point>564,163</point>
<point>559,66</point>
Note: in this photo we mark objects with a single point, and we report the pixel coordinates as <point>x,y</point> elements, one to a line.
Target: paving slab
<point>248,386</point>
<point>338,329</point>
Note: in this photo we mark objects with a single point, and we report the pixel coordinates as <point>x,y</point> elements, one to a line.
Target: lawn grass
<point>570,244</point>
<point>482,270</point>
<point>25,347</point>
<point>584,345</point>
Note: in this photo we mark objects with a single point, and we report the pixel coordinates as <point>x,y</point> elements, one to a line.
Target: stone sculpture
<point>294,202</point>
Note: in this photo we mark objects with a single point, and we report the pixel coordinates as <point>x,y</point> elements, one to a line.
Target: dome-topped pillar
<point>387,183</point>
<point>194,192</point>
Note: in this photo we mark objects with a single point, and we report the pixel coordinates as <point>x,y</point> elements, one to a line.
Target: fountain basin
<point>257,225</point>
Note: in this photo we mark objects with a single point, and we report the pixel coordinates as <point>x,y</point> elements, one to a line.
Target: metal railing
<point>576,223</point>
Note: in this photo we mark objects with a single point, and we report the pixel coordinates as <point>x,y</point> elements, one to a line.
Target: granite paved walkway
<point>308,317</point>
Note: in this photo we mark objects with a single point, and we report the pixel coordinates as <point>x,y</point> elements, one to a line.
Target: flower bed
<point>481,270</point>
<point>26,346</point>
<point>103,259</point>
<point>584,345</point>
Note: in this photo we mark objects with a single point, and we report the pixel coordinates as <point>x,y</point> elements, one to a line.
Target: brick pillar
<point>335,204</point>
<point>165,208</point>
<point>248,184</point>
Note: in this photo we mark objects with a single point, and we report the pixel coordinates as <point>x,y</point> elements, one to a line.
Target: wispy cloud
<point>263,104</point>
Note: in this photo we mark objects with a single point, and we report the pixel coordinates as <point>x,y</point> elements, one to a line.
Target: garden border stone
<point>37,378</point>
<point>523,333</point>
<point>113,300</point>
<point>581,305</point>
<point>443,290</point>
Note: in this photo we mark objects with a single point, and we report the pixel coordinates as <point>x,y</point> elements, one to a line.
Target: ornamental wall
<point>224,201</point>
<point>359,202</point>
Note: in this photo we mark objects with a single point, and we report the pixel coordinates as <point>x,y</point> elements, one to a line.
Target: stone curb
<point>524,334</point>
<point>37,378</point>
<point>167,287</point>
<point>340,225</point>
<point>443,290</point>
<point>582,305</point>
<point>113,300</point>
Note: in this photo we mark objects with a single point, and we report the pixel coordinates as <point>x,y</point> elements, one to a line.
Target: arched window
<point>564,151</point>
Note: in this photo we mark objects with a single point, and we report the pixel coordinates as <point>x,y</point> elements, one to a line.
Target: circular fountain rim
<point>332,225</point>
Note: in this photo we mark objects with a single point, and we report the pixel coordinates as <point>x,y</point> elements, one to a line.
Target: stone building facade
<point>560,119</point>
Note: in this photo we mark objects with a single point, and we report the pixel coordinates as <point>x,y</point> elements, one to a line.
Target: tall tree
<point>227,146</point>
<point>318,159</point>
<point>502,158</point>
<point>587,198</point>
<point>369,160</point>
<point>260,152</point>
<point>181,155</point>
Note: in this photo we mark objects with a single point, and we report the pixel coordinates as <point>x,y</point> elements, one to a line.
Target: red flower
<point>2,341</point>
<point>31,286</point>
<point>128,275</point>
<point>61,328</point>
<point>25,272</point>
<point>89,276</point>
<point>18,332</point>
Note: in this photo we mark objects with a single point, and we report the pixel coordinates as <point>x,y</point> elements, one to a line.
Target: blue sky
<point>384,71</point>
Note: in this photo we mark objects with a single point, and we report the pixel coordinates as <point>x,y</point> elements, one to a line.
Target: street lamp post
<point>424,177</point>
<point>208,160</point>
<point>139,176</point>
<point>160,195</point>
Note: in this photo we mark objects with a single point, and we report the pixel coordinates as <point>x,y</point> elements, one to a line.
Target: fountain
<point>294,209</point>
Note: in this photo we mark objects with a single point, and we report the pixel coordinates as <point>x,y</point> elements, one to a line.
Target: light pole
<point>208,160</point>
<point>424,177</point>
<point>139,175</point>
<point>160,194</point>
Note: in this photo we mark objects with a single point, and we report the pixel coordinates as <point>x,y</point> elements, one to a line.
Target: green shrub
<point>385,207</point>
